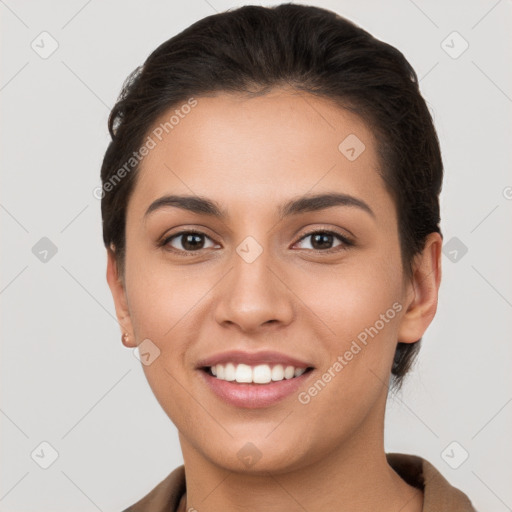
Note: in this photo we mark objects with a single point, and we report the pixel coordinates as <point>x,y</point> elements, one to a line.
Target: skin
<point>251,155</point>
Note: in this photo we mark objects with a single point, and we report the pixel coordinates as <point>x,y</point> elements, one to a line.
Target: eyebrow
<point>308,203</point>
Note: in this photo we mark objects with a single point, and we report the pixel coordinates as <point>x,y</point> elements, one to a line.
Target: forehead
<point>264,149</point>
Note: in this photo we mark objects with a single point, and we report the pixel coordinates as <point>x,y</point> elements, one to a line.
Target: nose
<point>254,294</point>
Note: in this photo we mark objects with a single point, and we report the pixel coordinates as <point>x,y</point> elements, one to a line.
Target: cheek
<point>353,297</point>
<point>168,305</point>
<point>360,304</point>
<point>163,305</point>
<point>160,296</point>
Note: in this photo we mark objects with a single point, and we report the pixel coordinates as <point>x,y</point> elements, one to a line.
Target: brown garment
<point>439,495</point>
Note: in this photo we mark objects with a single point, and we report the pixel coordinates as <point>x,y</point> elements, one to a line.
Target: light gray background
<point>66,378</point>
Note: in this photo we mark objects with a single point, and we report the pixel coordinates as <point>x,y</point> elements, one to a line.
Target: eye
<point>190,241</point>
<point>322,240</point>
<point>194,241</point>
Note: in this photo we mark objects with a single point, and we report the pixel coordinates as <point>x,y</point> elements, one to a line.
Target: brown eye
<point>323,240</point>
<point>187,241</point>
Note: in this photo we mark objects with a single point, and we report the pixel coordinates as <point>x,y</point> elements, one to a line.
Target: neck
<point>352,476</point>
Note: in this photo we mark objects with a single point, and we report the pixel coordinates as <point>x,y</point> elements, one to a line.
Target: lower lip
<point>254,396</point>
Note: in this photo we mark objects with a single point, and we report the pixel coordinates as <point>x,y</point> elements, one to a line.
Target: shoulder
<point>438,493</point>
<point>165,497</point>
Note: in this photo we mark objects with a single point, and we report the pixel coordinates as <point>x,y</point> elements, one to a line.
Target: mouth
<point>253,386</point>
<point>254,380</point>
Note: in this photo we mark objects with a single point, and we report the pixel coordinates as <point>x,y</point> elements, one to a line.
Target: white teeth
<point>229,372</point>
<point>243,373</point>
<point>262,374</point>
<point>288,372</point>
<point>278,372</point>
<point>259,374</point>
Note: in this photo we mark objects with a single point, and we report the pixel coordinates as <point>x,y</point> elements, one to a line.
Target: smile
<point>253,395</point>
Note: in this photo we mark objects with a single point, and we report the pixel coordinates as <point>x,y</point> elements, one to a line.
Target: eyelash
<point>346,243</point>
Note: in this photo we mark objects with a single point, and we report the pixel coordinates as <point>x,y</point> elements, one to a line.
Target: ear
<point>117,288</point>
<point>421,291</point>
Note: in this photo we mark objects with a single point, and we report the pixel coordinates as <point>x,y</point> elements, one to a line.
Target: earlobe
<point>422,291</point>
<point>117,288</point>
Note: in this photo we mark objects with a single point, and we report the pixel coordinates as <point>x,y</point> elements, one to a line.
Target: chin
<point>262,453</point>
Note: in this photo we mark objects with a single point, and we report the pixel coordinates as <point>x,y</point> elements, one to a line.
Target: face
<point>273,282</point>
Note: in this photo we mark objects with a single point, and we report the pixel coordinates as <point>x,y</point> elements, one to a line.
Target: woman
<point>271,216</point>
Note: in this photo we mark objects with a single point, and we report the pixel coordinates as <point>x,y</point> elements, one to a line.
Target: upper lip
<point>252,358</point>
